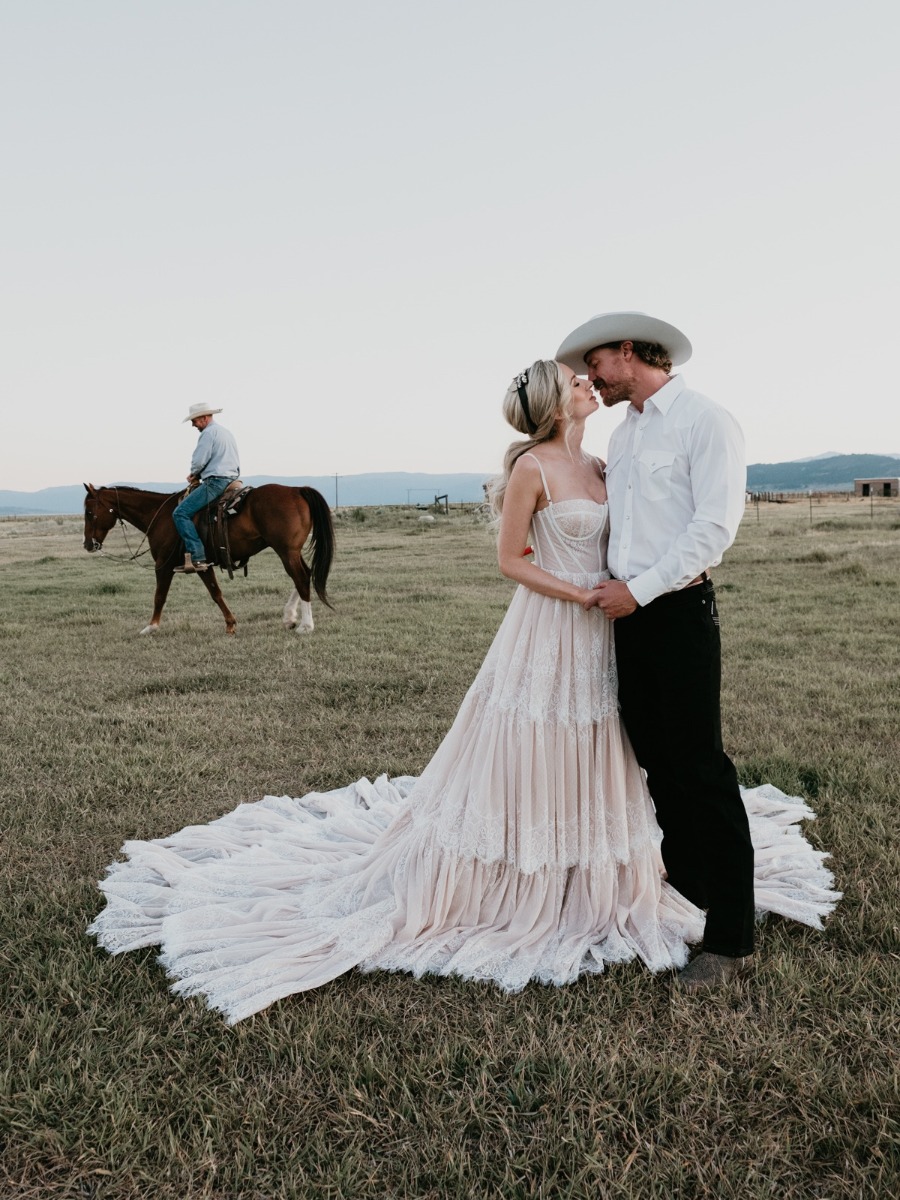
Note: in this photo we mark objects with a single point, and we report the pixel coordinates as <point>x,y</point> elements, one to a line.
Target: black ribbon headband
<point>521,382</point>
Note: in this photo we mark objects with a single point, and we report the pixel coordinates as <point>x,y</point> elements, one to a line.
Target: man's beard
<point>616,393</point>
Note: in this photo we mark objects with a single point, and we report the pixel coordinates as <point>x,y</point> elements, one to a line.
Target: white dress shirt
<point>676,480</point>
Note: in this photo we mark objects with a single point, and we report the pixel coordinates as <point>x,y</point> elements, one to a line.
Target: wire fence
<point>809,507</point>
<point>834,506</point>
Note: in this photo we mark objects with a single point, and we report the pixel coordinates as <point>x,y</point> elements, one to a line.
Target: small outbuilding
<point>877,487</point>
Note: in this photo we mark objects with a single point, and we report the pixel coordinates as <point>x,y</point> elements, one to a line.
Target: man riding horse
<point>214,465</point>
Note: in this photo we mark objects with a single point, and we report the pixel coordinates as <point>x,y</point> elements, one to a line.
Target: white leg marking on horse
<point>290,610</point>
<point>306,621</point>
<point>149,629</point>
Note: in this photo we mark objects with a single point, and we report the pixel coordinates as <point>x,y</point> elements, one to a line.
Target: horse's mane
<point>127,487</point>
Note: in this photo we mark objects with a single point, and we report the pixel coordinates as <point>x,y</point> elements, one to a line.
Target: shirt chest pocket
<point>655,468</point>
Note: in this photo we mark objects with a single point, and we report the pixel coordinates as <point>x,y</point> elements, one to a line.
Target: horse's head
<point>99,516</point>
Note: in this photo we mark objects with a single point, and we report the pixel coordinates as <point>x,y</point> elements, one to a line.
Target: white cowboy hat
<point>622,327</point>
<point>200,410</point>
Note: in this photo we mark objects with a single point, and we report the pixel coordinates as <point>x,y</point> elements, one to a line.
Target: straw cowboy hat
<point>622,327</point>
<point>200,410</point>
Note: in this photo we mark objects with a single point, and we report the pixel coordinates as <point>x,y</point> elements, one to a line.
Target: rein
<point>133,555</point>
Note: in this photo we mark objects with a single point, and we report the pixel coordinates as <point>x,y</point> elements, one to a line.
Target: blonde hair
<point>549,396</point>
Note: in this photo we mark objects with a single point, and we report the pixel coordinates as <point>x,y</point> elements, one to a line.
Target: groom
<point>676,482</point>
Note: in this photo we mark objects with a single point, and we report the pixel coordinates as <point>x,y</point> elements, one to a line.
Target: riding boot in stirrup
<point>190,567</point>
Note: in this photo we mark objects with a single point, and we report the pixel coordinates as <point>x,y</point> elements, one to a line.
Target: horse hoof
<point>149,629</point>
<point>303,629</point>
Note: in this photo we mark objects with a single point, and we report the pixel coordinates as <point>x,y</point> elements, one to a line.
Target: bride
<point>527,849</point>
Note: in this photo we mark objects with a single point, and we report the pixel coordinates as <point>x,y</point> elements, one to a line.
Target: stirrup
<point>190,568</point>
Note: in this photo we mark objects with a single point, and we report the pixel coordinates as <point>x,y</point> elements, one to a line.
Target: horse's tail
<point>322,538</point>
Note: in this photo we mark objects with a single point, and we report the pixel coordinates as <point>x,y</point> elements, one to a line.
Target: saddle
<point>212,526</point>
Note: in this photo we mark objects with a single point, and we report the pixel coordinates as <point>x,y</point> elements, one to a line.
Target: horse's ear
<point>89,488</point>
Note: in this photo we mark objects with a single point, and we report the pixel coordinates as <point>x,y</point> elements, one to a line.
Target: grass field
<point>785,1086</point>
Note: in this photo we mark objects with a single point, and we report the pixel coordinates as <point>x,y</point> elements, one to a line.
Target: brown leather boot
<point>191,568</point>
<point>709,971</point>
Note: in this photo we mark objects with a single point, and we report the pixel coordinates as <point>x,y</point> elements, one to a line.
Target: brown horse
<point>271,515</point>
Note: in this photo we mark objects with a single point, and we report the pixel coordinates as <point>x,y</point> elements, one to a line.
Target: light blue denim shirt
<point>216,454</point>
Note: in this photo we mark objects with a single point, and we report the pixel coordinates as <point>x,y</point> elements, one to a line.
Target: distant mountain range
<point>813,457</point>
<point>828,472</point>
<point>831,473</point>
<point>351,491</point>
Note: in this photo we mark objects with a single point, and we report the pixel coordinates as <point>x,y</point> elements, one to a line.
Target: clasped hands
<point>613,598</point>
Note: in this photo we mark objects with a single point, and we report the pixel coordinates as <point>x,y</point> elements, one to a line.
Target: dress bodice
<point>570,537</point>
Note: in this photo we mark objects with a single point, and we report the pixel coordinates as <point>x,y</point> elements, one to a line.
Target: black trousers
<point>669,662</point>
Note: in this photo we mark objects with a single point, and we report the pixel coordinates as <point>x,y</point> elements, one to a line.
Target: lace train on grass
<point>527,850</point>
<point>283,895</point>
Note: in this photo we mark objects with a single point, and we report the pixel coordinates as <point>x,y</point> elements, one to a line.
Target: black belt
<point>701,587</point>
<point>685,595</point>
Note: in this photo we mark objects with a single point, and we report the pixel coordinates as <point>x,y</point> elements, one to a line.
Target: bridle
<point>133,555</point>
<point>91,513</point>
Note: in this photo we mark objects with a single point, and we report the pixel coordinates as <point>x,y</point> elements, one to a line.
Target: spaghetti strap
<point>528,454</point>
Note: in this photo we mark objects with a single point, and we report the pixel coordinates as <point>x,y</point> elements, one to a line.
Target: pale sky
<point>350,224</point>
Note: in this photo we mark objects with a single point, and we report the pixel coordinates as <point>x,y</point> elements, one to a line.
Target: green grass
<point>379,1085</point>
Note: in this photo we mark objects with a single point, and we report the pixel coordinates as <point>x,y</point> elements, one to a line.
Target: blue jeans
<point>205,493</point>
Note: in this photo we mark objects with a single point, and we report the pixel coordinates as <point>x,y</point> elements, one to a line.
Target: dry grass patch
<point>378,1085</point>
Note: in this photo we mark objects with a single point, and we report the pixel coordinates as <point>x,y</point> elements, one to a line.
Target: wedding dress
<point>526,850</point>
